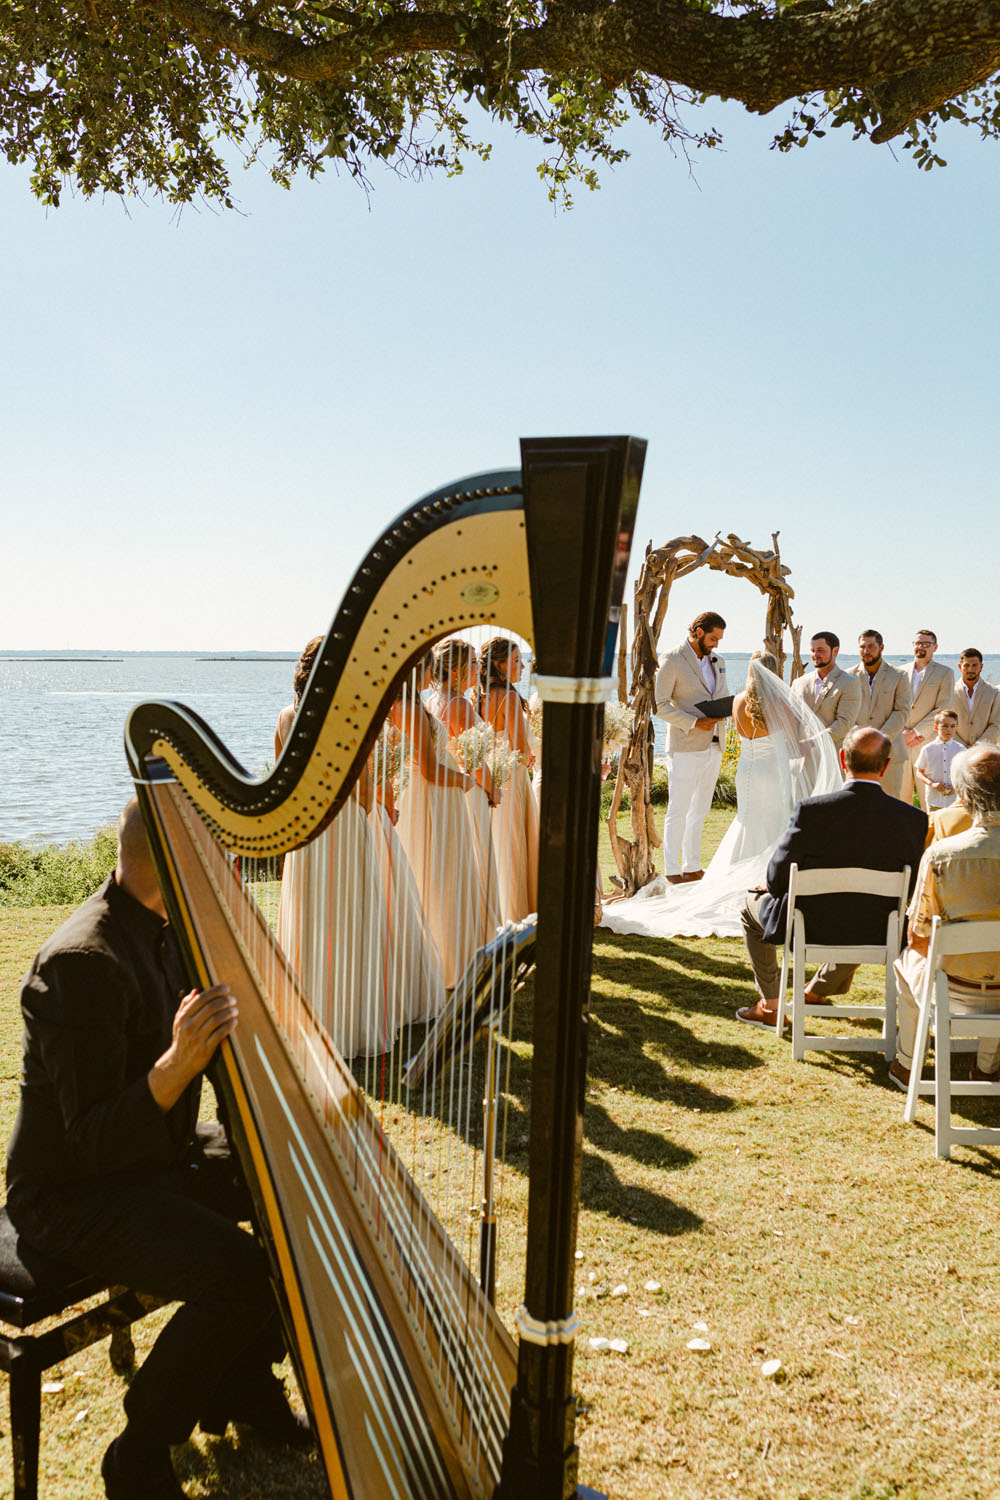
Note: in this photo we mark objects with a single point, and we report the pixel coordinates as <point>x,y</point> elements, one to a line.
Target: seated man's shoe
<point>693,875</point>
<point>264,1407</point>
<point>900,1076</point>
<point>976,1074</point>
<point>133,1473</point>
<point>675,879</point>
<point>759,1014</point>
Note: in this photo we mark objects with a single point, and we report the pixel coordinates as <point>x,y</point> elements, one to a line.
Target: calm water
<point>63,772</point>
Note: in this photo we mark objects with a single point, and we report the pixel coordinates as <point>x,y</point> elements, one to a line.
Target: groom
<point>688,676</point>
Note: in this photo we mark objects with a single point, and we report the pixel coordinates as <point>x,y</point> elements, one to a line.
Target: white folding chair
<point>947,939</point>
<point>801,951</point>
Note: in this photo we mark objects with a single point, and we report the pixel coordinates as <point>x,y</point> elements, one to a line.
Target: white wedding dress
<point>774,771</point>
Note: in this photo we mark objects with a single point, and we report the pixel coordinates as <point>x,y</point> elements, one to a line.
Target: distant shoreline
<point>134,655</point>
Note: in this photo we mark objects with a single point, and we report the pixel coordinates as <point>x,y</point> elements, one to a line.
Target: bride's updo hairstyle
<point>759,661</point>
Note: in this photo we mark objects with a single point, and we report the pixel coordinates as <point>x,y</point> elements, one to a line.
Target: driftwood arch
<point>660,569</point>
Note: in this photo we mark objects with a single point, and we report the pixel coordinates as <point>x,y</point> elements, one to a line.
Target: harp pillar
<point>580,502</point>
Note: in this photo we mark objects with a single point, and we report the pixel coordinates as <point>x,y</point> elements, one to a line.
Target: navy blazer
<point>858,825</point>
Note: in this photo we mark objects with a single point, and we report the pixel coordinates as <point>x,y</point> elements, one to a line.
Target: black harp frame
<point>579,502</point>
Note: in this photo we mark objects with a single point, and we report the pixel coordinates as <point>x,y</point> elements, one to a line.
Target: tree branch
<point>909,55</point>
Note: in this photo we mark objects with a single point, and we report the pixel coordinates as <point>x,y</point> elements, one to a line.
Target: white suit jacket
<point>679,687</point>
<point>934,694</point>
<point>982,727</point>
<point>838,704</point>
<point>887,706</point>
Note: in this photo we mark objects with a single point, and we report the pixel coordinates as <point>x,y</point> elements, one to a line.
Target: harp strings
<point>382,920</point>
<point>461,1344</point>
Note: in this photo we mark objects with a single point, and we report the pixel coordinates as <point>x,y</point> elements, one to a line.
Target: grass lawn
<point>785,1211</point>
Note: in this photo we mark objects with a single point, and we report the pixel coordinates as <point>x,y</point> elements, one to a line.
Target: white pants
<point>692,777</point>
<point>910,966</point>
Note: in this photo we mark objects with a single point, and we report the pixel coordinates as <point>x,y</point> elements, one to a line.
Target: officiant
<point>689,684</point>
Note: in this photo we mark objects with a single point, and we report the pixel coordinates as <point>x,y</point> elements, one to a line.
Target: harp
<point>416,1384</point>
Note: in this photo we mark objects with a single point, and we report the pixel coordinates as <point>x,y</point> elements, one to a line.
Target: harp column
<point>580,498</point>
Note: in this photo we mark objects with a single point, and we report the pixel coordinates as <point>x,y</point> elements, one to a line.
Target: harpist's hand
<point>202,1021</point>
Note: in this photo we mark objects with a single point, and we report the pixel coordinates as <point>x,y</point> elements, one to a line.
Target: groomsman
<point>885,704</point>
<point>932,686</point>
<point>688,676</point>
<point>976,703</point>
<point>832,694</point>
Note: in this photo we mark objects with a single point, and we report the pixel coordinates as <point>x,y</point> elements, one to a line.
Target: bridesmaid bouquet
<point>617,724</point>
<point>483,746</point>
<point>475,748</point>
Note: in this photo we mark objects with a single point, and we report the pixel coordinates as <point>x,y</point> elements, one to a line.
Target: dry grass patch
<point>786,1207</point>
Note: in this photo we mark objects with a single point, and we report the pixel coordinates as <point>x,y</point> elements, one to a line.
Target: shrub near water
<point>53,874</point>
<point>725,788</point>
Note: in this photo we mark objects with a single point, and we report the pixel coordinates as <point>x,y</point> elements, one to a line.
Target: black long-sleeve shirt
<point>98,1006</point>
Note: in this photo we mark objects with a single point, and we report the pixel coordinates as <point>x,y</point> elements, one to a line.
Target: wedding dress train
<point>795,759</point>
<point>711,907</point>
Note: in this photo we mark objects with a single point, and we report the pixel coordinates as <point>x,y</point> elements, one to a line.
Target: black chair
<point>34,1289</point>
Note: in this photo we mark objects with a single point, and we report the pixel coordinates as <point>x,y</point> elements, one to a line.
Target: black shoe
<point>142,1474</point>
<point>265,1408</point>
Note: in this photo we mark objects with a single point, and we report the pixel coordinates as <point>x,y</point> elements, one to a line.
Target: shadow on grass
<point>650,1148</point>
<point>603,1192</point>
<point>616,1060</point>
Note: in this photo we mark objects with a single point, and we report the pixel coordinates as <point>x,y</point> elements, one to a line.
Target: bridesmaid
<point>332,919</point>
<point>437,834</point>
<point>515,821</point>
<point>454,674</point>
<point>418,983</point>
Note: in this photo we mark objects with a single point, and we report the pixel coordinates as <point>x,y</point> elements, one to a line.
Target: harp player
<point>109,1171</point>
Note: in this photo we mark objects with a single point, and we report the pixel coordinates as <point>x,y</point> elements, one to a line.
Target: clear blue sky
<point>206,422</point>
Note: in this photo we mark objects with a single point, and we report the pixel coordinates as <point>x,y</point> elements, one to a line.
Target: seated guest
<point>109,1172</point>
<point>947,821</point>
<point>933,765</point>
<point>857,826</point>
<point>959,881</point>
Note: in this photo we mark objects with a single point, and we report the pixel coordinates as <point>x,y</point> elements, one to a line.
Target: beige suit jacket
<point>982,727</point>
<point>679,687</point>
<point>887,706</point>
<point>945,822</point>
<point>934,693</point>
<point>838,704</point>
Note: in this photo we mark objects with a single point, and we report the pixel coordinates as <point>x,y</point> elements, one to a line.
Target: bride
<point>785,755</point>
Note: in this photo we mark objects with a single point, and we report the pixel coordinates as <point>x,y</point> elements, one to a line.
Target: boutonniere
<point>713,658</point>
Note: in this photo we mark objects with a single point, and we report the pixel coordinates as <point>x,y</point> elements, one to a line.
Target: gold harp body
<point>415,1385</point>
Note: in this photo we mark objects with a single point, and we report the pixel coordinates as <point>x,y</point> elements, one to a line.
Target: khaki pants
<point>910,782</point>
<point>829,979</point>
<point>910,968</point>
<point>892,781</point>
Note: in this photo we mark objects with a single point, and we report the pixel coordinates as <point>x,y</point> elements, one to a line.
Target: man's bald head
<point>135,871</point>
<point>866,752</point>
<point>975,776</point>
